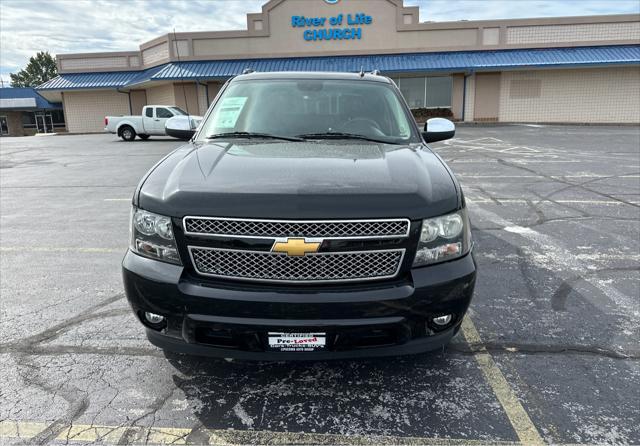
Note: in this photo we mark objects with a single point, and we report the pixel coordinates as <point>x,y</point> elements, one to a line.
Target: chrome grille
<point>312,229</point>
<point>276,267</point>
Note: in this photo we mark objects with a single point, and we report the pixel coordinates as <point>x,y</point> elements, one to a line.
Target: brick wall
<point>603,95</point>
<point>85,111</point>
<point>14,122</point>
<point>156,53</point>
<point>190,92</point>
<point>90,63</point>
<point>138,100</point>
<point>203,103</point>
<point>590,32</point>
<point>162,95</point>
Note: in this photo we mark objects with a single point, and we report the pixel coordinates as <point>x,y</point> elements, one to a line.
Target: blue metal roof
<point>73,81</point>
<point>27,93</point>
<point>387,63</point>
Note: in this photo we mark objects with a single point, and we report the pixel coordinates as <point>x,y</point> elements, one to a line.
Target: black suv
<point>305,219</point>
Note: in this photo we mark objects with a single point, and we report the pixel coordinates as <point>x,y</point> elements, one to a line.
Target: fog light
<point>442,320</point>
<point>153,318</point>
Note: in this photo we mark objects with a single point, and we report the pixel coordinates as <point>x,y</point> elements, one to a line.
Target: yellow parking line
<point>161,435</point>
<point>58,249</point>
<point>522,424</point>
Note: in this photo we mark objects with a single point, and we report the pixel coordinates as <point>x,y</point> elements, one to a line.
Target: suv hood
<point>299,180</point>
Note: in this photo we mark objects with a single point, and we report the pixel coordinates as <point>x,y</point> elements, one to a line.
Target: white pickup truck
<point>151,123</point>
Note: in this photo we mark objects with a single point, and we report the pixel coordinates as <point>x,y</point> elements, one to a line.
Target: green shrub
<point>422,114</point>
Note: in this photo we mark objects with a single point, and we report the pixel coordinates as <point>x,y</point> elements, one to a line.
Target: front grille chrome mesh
<point>277,267</point>
<point>310,229</point>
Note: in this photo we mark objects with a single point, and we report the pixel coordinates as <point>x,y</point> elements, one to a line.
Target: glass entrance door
<point>41,125</point>
<point>44,123</point>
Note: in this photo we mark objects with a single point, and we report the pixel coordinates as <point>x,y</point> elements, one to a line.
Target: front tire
<point>127,133</point>
<point>144,137</point>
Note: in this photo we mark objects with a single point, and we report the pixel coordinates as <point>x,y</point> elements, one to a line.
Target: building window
<point>412,89</point>
<point>28,120</point>
<point>426,92</point>
<point>439,92</point>
<point>58,118</point>
<point>51,116</point>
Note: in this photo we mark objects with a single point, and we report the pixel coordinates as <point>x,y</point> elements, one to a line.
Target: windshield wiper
<point>341,135</point>
<point>253,135</point>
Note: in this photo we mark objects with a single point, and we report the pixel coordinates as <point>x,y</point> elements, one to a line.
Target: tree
<point>39,70</point>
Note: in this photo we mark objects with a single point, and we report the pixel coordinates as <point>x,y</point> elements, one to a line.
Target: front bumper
<point>231,320</point>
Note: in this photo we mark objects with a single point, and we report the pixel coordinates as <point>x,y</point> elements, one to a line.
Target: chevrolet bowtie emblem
<point>296,247</point>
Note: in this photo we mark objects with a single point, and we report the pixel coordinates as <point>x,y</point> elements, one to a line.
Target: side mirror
<point>438,129</point>
<point>182,127</point>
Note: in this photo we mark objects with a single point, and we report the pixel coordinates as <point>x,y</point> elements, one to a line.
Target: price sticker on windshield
<point>228,112</point>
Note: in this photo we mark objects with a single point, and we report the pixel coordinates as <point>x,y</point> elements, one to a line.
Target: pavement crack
<point>490,196</point>
<point>128,436</point>
<point>58,329</point>
<point>559,297</point>
<point>59,350</point>
<point>77,400</point>
<point>510,348</point>
<point>541,218</point>
<point>569,184</point>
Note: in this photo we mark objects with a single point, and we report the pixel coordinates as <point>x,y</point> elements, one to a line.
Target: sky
<point>77,26</point>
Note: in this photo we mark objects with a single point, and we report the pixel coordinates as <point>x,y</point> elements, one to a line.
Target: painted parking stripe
<point>497,177</point>
<point>26,430</point>
<point>522,424</point>
<point>536,201</point>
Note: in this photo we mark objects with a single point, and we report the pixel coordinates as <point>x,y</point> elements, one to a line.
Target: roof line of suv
<point>371,76</point>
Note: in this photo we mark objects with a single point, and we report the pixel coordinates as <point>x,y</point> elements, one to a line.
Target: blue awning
<point>24,99</point>
<point>453,61</point>
<point>77,81</point>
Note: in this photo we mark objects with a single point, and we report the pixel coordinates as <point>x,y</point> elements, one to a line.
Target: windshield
<point>310,108</point>
<point>177,111</point>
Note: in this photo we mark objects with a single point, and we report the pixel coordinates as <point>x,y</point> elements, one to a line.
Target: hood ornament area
<point>296,247</point>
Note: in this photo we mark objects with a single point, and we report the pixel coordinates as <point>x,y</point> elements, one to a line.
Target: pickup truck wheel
<point>127,133</point>
<point>145,137</point>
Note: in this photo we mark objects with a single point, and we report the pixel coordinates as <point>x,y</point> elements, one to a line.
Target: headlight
<point>152,236</point>
<point>443,238</point>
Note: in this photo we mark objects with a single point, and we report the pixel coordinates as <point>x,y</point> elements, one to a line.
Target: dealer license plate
<point>297,342</point>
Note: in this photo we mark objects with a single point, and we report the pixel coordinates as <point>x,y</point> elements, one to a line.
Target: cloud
<point>76,26</point>
<point>445,10</point>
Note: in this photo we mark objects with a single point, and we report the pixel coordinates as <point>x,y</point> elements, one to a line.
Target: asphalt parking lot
<point>550,352</point>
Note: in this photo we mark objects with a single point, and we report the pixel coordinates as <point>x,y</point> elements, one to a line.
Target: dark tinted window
<point>149,112</point>
<point>303,106</point>
<point>177,111</point>
<point>28,119</point>
<point>58,117</point>
<point>163,113</point>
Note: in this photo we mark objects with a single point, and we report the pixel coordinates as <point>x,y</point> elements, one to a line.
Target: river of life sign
<point>338,27</point>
